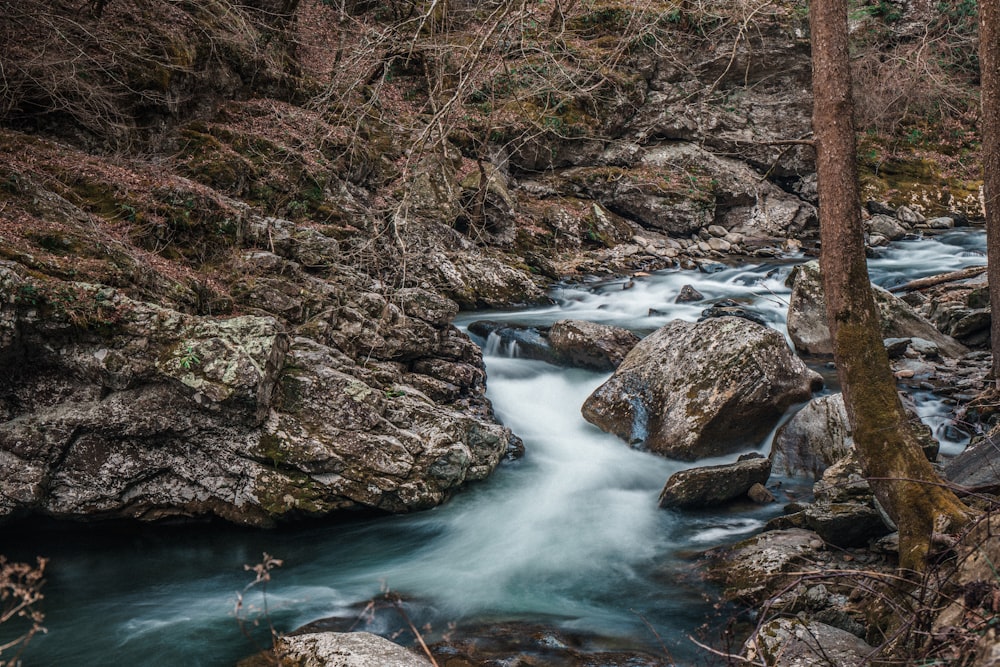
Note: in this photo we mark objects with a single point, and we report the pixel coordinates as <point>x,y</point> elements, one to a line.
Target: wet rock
<point>887,227</point>
<point>521,341</point>
<point>942,222</point>
<point>588,345</point>
<point>760,495</point>
<point>753,568</point>
<point>526,644</point>
<point>794,642</point>
<point>807,317</point>
<point>688,294</point>
<point>344,649</point>
<point>977,468</point>
<point>850,524</point>
<point>729,308</point>
<point>575,343</point>
<point>817,436</point>
<point>690,391</point>
<point>714,485</point>
<point>711,267</point>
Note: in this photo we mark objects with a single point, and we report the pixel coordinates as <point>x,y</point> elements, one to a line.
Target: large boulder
<point>708,486</point>
<point>813,439</point>
<point>582,344</point>
<point>819,435</point>
<point>807,317</point>
<point>690,391</point>
<point>344,649</point>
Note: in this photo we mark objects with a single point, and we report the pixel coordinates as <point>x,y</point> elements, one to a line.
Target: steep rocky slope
<point>234,237</point>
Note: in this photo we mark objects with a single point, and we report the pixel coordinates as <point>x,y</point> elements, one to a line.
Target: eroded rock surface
<point>690,391</point>
<point>117,408</point>
<point>714,485</point>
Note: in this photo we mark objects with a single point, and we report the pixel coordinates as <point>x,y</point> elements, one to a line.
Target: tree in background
<point>989,68</point>
<point>901,477</point>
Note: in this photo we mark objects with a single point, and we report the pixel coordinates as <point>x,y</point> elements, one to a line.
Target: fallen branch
<point>931,281</point>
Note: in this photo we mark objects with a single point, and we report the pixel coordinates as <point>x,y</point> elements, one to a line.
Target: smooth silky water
<point>569,536</point>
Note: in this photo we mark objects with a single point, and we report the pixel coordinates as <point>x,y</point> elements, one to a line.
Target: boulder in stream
<point>819,435</point>
<point>708,486</point>
<point>691,391</point>
<point>807,317</point>
<point>597,347</point>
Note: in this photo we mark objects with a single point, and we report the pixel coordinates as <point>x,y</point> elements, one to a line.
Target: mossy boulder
<point>690,391</point>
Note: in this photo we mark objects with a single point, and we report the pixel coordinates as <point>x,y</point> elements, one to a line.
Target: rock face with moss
<point>118,408</point>
<point>690,391</point>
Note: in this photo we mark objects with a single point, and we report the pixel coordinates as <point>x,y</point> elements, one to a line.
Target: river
<point>570,536</point>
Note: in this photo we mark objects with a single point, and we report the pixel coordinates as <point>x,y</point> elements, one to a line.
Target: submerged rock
<point>689,391</point>
<point>807,317</point>
<point>714,485</point>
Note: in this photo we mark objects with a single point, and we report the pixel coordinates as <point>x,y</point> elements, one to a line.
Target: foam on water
<point>571,534</point>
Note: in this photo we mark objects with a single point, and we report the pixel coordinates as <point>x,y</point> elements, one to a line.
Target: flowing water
<point>569,536</point>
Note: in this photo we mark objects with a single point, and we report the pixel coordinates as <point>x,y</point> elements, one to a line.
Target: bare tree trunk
<point>989,68</point>
<point>900,475</point>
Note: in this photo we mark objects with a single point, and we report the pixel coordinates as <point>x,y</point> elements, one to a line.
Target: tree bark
<point>989,69</point>
<point>901,477</point>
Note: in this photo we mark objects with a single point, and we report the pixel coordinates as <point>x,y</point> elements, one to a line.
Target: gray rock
<point>940,223</point>
<point>752,568</point>
<point>794,642</point>
<point>896,347</point>
<point>344,649</point>
<point>597,347</point>
<point>908,215</point>
<point>729,308</point>
<point>816,437</point>
<point>760,495</point>
<point>887,227</point>
<point>850,524</point>
<point>807,317</point>
<point>690,391</point>
<point>714,485</point>
<point>977,468</point>
<point>160,414</point>
<point>688,294</point>
<point>925,348</point>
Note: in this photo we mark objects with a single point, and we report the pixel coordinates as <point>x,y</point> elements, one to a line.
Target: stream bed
<point>569,537</point>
